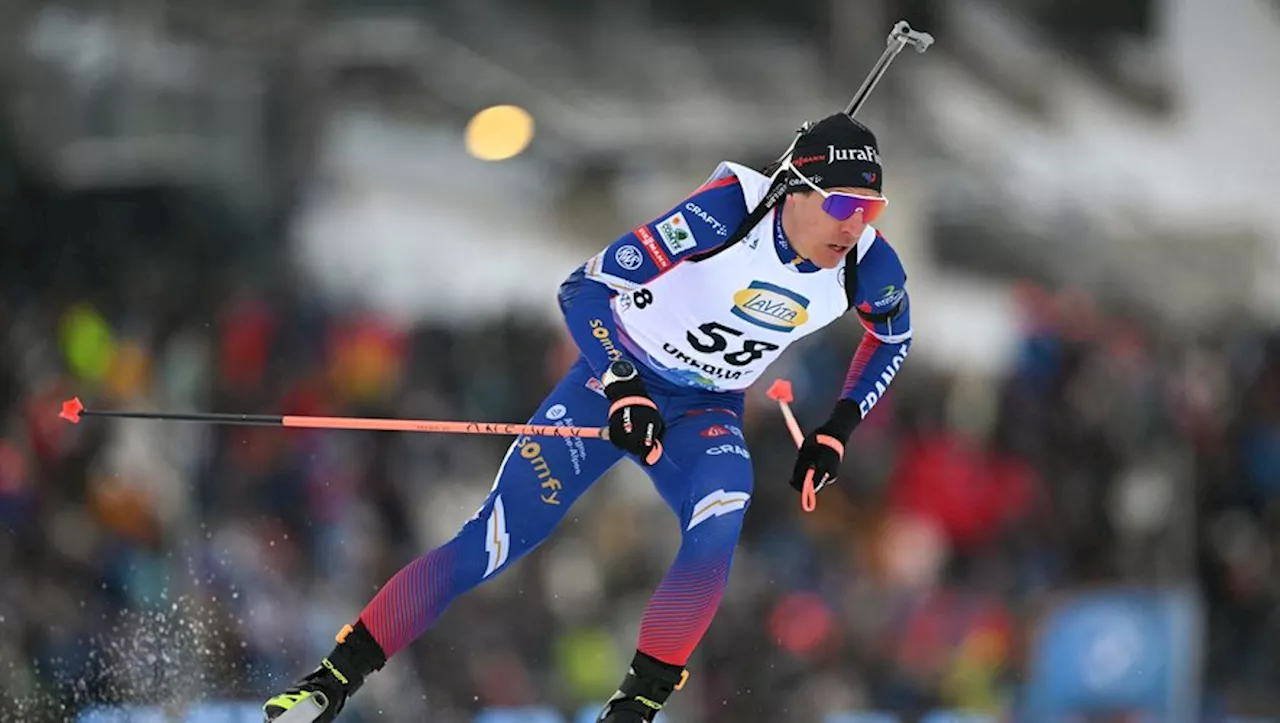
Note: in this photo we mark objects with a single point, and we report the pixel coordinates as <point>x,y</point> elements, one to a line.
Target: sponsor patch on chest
<point>771,307</point>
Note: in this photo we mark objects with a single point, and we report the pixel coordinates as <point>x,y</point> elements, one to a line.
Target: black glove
<point>635,424</point>
<point>823,449</point>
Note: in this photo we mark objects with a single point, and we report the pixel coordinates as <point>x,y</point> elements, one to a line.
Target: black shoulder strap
<point>776,191</point>
<point>851,276</point>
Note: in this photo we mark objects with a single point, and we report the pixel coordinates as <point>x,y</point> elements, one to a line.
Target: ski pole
<point>780,391</point>
<point>900,37</point>
<point>73,410</point>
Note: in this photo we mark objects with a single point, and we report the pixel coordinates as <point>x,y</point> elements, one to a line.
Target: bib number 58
<point>715,338</point>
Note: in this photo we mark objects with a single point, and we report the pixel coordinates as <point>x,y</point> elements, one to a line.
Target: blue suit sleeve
<point>883,307</point>
<point>881,299</point>
<point>700,223</point>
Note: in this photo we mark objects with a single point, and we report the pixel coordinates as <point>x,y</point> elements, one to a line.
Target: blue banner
<point>1117,651</point>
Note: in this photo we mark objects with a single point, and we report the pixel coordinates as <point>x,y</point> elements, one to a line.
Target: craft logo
<point>676,235</point>
<point>771,307</point>
<point>730,449</point>
<point>721,229</point>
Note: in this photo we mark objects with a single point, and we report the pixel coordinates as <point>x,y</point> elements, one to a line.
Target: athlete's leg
<point>706,478</point>
<point>537,482</point>
<point>708,486</point>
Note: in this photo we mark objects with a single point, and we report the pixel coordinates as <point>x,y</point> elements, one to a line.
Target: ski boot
<point>644,691</point>
<point>320,696</point>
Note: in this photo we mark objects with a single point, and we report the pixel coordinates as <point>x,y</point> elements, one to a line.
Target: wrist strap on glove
<point>832,442</point>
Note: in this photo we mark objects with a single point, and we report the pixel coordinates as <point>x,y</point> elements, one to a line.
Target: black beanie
<point>837,151</point>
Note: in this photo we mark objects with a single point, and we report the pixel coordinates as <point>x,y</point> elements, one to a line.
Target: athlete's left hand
<point>823,449</point>
<point>820,453</point>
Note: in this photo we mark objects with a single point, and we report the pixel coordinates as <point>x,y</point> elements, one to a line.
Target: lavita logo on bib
<point>771,307</point>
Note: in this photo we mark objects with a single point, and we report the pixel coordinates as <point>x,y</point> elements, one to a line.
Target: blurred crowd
<point>167,563</point>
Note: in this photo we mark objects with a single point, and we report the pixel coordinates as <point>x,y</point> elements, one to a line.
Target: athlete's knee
<point>723,509</point>
<point>492,542</point>
<point>504,529</point>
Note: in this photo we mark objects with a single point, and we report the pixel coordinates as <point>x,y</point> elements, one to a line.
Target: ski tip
<point>781,391</point>
<point>307,710</point>
<point>71,410</point>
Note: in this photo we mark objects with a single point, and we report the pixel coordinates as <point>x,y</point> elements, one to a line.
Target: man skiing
<point>674,321</point>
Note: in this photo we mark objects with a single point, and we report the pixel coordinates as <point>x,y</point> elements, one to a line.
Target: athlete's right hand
<point>635,424</point>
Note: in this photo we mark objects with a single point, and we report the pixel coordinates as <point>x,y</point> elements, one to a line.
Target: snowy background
<point>1070,495</point>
